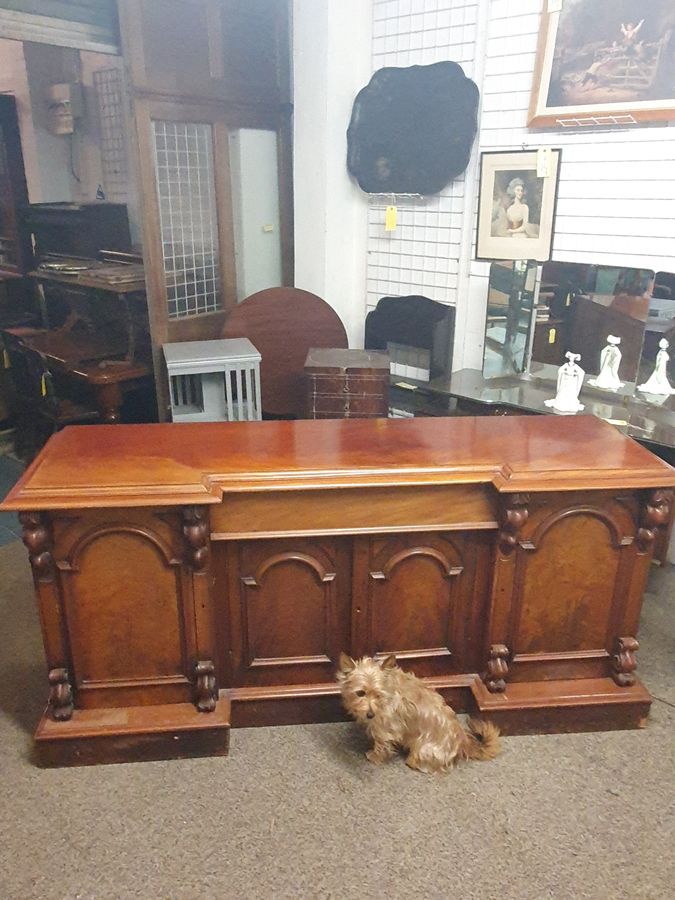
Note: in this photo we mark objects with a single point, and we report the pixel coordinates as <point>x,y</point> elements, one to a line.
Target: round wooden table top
<point>284,324</point>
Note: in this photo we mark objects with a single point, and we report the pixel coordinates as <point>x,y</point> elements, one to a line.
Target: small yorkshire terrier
<point>397,709</point>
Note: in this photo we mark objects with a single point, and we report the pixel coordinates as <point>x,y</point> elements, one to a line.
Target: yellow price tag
<point>5,360</point>
<point>390,218</point>
<point>551,335</point>
<point>43,385</point>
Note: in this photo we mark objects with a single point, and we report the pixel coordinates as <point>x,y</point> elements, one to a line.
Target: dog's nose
<point>370,715</point>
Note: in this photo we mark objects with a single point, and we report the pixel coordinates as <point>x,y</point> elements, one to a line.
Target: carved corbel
<point>514,516</point>
<point>60,695</point>
<point>206,690</point>
<point>497,669</point>
<point>38,540</point>
<point>624,663</point>
<point>655,514</point>
<point>196,535</point>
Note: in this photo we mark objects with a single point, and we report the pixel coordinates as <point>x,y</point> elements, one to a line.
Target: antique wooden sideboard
<point>193,577</point>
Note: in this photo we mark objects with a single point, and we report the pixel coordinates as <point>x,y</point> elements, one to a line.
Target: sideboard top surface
<point>155,465</point>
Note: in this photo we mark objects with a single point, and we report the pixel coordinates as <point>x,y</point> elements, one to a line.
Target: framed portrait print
<point>516,204</point>
<point>604,63</point>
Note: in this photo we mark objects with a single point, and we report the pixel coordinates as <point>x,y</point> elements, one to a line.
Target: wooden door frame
<point>222,117</point>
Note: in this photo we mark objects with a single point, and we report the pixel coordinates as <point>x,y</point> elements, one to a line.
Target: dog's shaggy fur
<point>397,709</point>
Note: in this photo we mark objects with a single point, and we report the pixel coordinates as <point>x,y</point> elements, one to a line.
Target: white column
<point>331,63</point>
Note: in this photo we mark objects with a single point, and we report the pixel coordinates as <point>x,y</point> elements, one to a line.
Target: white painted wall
<point>617,186</point>
<point>45,66</point>
<point>26,71</point>
<point>331,63</point>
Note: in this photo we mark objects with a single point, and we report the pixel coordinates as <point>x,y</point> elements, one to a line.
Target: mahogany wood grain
<point>135,734</point>
<point>178,567</point>
<point>289,611</point>
<point>592,704</point>
<point>353,511</point>
<point>136,465</point>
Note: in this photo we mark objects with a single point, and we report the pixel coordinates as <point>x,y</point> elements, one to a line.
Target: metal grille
<point>109,89</point>
<point>187,215</point>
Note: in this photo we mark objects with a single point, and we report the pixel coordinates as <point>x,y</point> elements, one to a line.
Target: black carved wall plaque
<point>412,129</point>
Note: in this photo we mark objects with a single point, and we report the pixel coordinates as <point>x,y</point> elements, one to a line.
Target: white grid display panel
<point>109,88</point>
<point>616,190</point>
<point>421,255</point>
<point>188,217</point>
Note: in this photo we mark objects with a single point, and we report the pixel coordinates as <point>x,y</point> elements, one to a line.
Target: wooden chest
<point>346,384</point>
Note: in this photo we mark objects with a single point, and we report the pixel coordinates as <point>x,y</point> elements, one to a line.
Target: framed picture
<point>604,63</point>
<point>516,205</point>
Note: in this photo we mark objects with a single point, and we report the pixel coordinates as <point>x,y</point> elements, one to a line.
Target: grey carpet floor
<point>299,813</point>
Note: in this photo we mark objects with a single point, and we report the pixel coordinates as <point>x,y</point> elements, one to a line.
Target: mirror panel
<point>508,325</point>
<point>579,306</point>
<point>657,365</point>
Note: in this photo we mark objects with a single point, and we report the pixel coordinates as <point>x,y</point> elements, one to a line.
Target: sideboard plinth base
<point>305,704</point>
<point>133,734</point>
<point>573,705</point>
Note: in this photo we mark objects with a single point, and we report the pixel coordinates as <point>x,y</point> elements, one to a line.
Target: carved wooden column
<point>206,690</point>
<point>514,516</point>
<point>497,669</point>
<point>60,694</point>
<point>514,513</point>
<point>196,535</point>
<point>624,663</point>
<point>655,514</point>
<point>37,538</point>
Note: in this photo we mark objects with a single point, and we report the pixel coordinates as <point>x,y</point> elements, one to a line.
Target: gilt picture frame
<point>604,63</point>
<point>516,205</point>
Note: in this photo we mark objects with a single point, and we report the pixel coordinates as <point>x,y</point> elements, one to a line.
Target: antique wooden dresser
<point>346,384</point>
<point>200,576</point>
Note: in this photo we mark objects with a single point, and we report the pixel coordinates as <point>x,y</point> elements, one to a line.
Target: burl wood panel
<point>127,607</point>
<point>287,604</point>
<point>569,586</point>
<point>422,597</point>
<point>564,577</point>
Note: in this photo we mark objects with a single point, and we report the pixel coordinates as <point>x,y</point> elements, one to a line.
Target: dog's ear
<point>389,662</point>
<point>347,664</point>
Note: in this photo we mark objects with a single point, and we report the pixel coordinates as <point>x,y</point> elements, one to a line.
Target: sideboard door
<point>283,609</point>
<point>569,581</point>
<point>423,597</point>
<point>128,607</point>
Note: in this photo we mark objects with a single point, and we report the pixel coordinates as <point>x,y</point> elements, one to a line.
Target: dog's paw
<point>378,755</point>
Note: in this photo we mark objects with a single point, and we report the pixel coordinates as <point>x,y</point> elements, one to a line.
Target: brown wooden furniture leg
<point>109,401</point>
